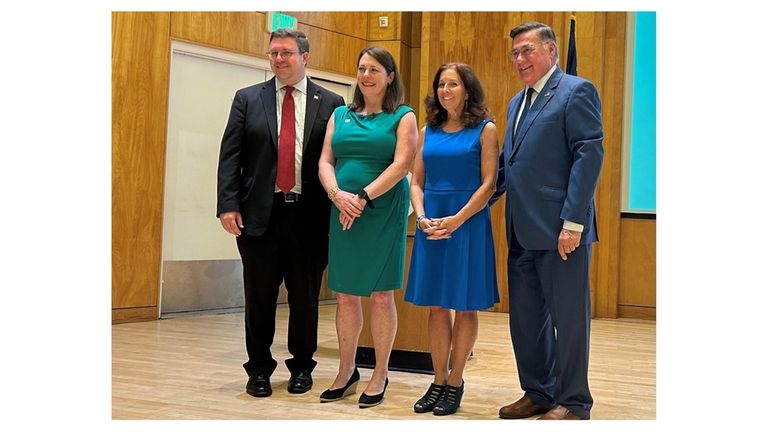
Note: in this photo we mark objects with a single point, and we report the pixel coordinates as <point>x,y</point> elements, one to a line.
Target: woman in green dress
<point>369,147</point>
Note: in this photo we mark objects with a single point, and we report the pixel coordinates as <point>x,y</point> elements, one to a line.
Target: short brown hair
<point>300,37</point>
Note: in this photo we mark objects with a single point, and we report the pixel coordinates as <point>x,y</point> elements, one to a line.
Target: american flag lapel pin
<point>317,97</point>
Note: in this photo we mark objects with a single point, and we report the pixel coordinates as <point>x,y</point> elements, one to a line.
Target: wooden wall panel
<point>346,23</point>
<point>605,268</point>
<point>333,52</point>
<point>398,28</point>
<point>245,33</point>
<point>242,32</point>
<point>637,279</point>
<point>140,65</point>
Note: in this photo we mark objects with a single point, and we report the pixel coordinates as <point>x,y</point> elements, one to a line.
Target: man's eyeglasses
<point>525,52</point>
<point>284,54</point>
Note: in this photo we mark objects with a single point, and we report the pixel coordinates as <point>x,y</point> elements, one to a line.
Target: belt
<point>287,197</point>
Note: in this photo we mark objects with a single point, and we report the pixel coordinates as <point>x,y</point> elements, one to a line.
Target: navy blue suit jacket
<point>550,171</point>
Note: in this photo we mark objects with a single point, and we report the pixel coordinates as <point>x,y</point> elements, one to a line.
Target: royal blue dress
<point>460,272</point>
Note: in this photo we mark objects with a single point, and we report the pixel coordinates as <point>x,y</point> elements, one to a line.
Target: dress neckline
<point>452,132</point>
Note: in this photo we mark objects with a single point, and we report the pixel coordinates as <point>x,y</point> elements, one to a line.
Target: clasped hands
<point>440,228</point>
<point>350,208</point>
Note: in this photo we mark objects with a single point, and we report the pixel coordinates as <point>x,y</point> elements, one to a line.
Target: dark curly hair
<point>475,109</point>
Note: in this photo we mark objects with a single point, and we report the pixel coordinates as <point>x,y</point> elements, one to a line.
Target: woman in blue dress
<point>453,265</point>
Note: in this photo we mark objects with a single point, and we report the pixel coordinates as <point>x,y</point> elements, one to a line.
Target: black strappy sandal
<point>449,401</point>
<point>430,398</point>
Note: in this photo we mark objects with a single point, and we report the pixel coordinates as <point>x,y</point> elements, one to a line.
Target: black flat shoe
<point>430,398</point>
<point>259,386</point>
<point>367,401</point>
<point>449,401</point>
<point>340,393</point>
<point>300,382</point>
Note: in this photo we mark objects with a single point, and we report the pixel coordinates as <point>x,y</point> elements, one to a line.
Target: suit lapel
<point>269,100</point>
<point>314,97</point>
<point>546,95</point>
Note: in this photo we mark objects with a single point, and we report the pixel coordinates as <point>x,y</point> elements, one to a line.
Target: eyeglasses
<point>526,52</point>
<point>284,54</point>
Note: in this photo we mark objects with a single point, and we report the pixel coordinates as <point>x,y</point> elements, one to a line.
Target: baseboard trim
<point>399,360</point>
<point>126,315</point>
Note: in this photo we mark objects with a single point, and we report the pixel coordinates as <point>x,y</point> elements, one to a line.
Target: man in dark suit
<point>270,198</point>
<point>549,169</point>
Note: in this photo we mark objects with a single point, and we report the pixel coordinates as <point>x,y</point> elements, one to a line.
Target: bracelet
<point>418,222</point>
<point>332,193</point>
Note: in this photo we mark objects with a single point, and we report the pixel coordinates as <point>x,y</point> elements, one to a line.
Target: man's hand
<point>567,242</point>
<point>232,222</point>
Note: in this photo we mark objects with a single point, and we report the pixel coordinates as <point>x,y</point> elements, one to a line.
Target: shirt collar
<point>300,86</point>
<point>539,86</point>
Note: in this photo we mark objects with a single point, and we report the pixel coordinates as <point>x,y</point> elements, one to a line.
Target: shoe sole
<point>522,416</point>
<point>368,405</point>
<point>351,390</point>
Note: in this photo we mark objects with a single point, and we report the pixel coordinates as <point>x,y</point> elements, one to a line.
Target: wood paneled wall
<point>140,74</point>
<point>332,49</point>
<point>420,41</point>
<point>637,265</point>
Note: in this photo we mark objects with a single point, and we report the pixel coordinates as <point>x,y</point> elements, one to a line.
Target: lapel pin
<point>317,97</point>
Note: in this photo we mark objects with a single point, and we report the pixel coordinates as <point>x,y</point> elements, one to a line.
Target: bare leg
<point>349,324</point>
<point>440,335</point>
<point>464,337</point>
<point>383,331</point>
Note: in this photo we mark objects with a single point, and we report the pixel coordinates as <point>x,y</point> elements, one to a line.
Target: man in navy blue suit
<point>549,169</point>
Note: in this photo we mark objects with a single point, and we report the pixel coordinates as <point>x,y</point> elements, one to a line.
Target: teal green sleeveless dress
<point>370,256</point>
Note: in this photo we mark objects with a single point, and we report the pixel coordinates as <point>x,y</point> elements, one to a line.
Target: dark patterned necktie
<point>526,107</point>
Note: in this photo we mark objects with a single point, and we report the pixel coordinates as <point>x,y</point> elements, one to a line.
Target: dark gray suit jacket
<point>248,157</point>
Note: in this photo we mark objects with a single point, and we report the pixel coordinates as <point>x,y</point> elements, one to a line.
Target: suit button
<point>510,162</point>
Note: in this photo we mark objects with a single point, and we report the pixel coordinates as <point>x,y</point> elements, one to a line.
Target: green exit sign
<point>276,20</point>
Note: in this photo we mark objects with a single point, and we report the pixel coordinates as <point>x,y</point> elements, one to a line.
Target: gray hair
<point>543,31</point>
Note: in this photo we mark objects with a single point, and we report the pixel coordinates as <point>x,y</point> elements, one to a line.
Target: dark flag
<point>570,67</point>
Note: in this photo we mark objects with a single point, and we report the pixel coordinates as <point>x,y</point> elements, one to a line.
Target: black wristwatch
<point>364,195</point>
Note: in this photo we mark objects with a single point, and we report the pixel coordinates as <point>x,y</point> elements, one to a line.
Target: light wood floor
<point>190,368</point>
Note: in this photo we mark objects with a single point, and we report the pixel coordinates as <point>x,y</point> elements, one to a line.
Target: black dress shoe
<point>259,386</point>
<point>300,382</point>
<point>340,393</point>
<point>367,401</point>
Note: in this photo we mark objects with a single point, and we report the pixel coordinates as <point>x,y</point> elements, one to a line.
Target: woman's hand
<point>442,228</point>
<point>350,208</point>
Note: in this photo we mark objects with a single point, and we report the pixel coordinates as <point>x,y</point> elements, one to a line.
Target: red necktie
<point>286,150</point>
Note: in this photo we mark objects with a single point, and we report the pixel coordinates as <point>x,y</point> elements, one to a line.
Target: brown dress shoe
<point>559,412</point>
<point>523,408</point>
